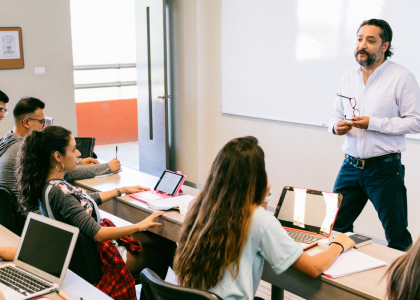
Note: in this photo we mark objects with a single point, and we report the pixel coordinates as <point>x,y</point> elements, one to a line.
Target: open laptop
<point>307,215</point>
<point>168,186</point>
<point>41,259</point>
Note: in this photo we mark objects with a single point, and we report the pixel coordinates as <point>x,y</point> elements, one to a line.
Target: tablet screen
<point>168,182</point>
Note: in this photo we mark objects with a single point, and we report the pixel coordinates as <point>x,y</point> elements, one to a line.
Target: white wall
<point>296,155</point>
<point>46,35</point>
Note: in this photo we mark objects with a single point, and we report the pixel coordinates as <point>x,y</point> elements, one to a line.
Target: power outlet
<point>39,70</point>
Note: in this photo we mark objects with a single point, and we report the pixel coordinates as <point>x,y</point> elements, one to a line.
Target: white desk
<point>73,287</point>
<point>365,285</point>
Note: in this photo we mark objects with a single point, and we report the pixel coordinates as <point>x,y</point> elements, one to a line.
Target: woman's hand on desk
<point>344,240</point>
<point>105,196</point>
<point>113,233</point>
<point>133,189</point>
<point>316,265</point>
<point>149,222</point>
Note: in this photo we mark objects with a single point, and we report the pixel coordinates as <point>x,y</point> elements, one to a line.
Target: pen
<point>82,298</point>
<point>116,152</point>
<point>62,296</point>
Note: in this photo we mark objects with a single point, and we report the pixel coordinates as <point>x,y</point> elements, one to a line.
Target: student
<point>29,115</point>
<point>404,275</point>
<point>227,235</point>
<point>43,178</point>
<point>3,105</point>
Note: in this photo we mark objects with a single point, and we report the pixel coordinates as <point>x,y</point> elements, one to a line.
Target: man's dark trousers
<point>384,185</point>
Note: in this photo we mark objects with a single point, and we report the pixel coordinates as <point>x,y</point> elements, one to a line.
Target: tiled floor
<point>128,153</point>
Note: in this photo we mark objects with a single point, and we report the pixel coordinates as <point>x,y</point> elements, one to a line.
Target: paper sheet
<point>9,45</point>
<point>172,202</point>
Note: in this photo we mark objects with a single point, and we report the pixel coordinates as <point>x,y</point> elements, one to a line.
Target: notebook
<point>351,262</point>
<point>174,202</point>
<point>41,259</point>
<point>307,215</point>
<point>168,186</point>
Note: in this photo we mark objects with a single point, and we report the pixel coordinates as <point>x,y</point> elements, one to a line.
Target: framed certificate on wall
<point>11,48</point>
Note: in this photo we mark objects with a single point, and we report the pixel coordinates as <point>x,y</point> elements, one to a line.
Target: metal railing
<point>104,84</point>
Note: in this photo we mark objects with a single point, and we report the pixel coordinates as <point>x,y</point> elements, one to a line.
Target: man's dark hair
<point>3,97</point>
<point>27,105</point>
<point>386,34</point>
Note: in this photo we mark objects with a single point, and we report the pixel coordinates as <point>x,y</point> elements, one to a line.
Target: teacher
<point>376,105</point>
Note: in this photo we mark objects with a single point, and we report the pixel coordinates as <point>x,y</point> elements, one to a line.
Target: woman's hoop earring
<point>59,170</point>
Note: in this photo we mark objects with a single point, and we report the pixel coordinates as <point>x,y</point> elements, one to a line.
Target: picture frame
<point>11,48</point>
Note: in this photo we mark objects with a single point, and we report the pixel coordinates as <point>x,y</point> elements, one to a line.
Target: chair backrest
<point>10,217</point>
<point>157,289</point>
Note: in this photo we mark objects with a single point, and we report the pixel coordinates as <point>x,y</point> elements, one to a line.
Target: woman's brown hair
<point>216,228</point>
<point>34,163</point>
<point>404,275</point>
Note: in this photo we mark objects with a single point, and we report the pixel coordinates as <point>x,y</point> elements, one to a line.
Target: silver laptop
<point>307,215</point>
<point>41,259</point>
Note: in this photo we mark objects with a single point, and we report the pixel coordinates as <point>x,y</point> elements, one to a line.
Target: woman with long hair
<point>227,235</point>
<point>40,175</point>
<point>404,275</point>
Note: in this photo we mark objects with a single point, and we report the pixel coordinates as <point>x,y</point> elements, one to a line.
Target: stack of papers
<point>172,202</point>
<point>351,262</point>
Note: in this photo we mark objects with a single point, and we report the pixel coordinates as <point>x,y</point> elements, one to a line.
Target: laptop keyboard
<point>20,281</point>
<point>301,237</point>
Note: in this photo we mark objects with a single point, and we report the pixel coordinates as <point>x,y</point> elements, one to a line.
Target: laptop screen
<point>308,210</point>
<point>45,247</point>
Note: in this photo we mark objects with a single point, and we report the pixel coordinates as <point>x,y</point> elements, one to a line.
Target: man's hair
<point>3,97</point>
<point>386,34</point>
<point>27,105</point>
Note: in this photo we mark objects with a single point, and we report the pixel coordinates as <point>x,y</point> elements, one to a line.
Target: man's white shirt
<point>391,98</point>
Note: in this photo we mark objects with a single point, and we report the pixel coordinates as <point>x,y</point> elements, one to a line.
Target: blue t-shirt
<point>267,240</point>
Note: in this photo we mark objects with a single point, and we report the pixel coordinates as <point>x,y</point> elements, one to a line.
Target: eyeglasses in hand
<point>353,103</point>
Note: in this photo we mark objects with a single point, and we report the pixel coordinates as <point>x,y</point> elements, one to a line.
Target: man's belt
<point>363,163</point>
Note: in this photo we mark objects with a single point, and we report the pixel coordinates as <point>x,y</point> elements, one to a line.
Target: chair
<point>10,217</point>
<point>157,289</point>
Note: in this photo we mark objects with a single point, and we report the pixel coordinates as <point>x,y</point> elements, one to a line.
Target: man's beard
<point>370,60</point>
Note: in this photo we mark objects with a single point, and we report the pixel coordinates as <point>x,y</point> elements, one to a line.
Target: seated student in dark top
<point>404,275</point>
<point>29,115</point>
<point>3,105</point>
<point>227,235</point>
<point>41,163</point>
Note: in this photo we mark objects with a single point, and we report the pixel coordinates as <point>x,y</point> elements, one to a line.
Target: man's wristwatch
<point>119,192</point>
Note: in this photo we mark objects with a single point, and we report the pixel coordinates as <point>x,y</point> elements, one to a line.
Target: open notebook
<point>173,202</point>
<point>351,262</point>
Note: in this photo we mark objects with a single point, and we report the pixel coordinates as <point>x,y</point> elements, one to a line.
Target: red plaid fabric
<point>117,282</point>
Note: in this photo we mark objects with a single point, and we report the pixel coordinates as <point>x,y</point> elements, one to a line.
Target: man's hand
<point>342,127</point>
<point>114,165</point>
<point>89,161</point>
<point>361,122</point>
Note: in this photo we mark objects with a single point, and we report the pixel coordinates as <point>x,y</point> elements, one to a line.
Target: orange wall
<point>109,122</point>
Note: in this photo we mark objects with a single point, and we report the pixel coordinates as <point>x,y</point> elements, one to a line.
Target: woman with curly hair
<point>227,235</point>
<point>40,175</point>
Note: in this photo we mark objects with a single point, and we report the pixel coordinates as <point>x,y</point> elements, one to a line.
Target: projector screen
<point>283,60</point>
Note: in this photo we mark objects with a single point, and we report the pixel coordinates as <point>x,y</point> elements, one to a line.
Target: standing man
<point>376,105</point>
<point>3,105</point>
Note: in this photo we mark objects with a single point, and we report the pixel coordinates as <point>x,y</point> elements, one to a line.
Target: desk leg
<point>277,293</point>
